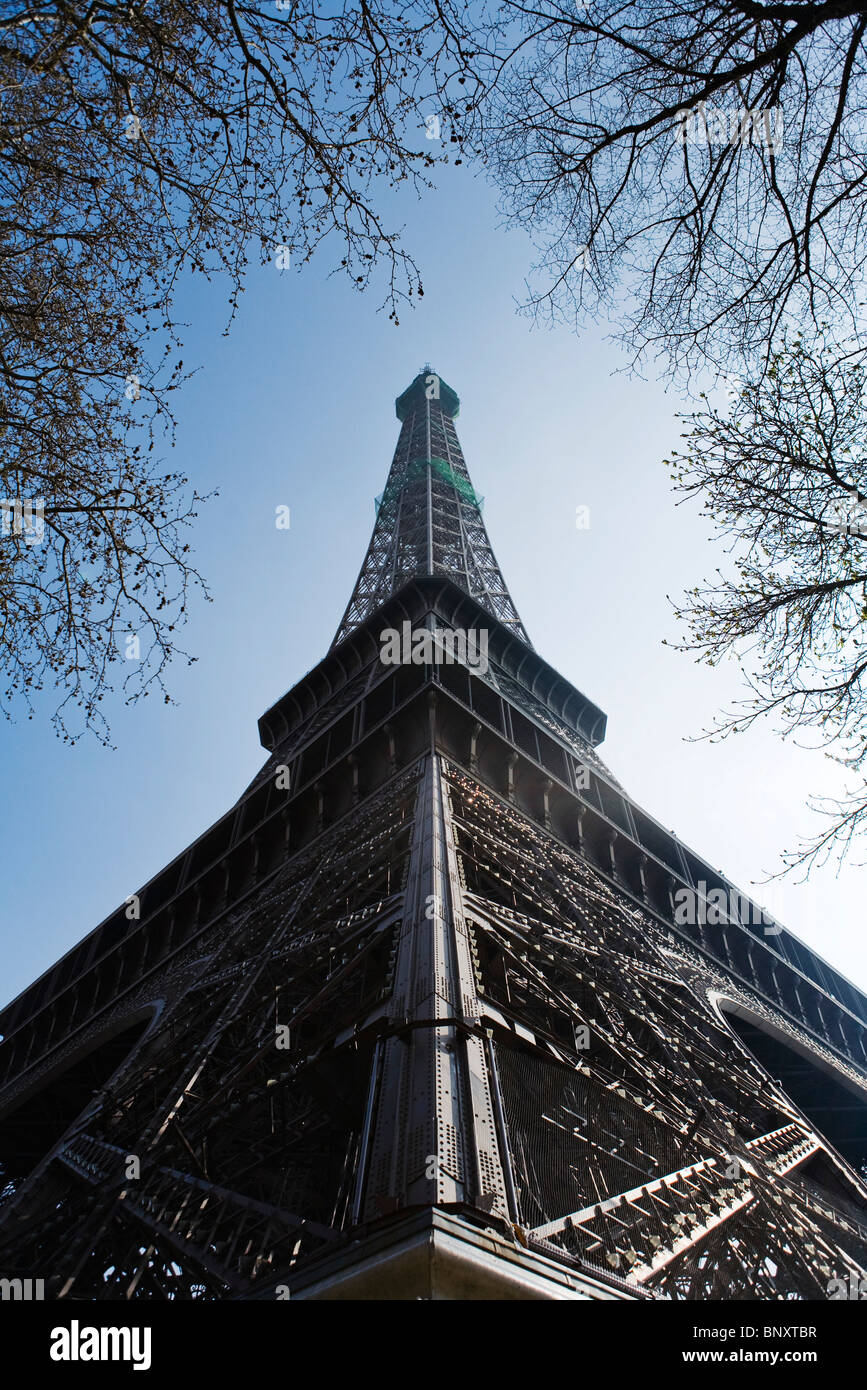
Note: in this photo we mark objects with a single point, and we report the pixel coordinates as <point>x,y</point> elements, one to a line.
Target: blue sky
<point>296,407</point>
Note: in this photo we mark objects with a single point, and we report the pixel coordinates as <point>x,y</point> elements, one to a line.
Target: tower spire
<point>429,517</point>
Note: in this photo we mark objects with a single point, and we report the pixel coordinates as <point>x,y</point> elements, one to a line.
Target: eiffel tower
<point>435,1010</point>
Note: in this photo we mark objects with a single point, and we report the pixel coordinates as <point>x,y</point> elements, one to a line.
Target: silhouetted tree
<point>140,141</point>
<point>697,172</point>
<point>783,475</point>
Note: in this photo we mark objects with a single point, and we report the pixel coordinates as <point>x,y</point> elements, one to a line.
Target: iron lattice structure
<point>417,1016</point>
<point>429,518</point>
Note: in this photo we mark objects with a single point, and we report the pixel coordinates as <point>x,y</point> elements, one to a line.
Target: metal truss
<point>643,1137</point>
<point>473,1019</point>
<point>247,1151</point>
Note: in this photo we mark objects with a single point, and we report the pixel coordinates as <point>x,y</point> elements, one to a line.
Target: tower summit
<point>429,518</point>
<point>435,1009</point>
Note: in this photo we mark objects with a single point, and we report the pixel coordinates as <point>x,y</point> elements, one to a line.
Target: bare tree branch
<point>783,475</point>
<point>141,142</point>
<point>646,132</point>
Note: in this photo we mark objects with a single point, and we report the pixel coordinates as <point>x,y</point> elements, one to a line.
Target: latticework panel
<point>645,1141</point>
<point>226,1149</point>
